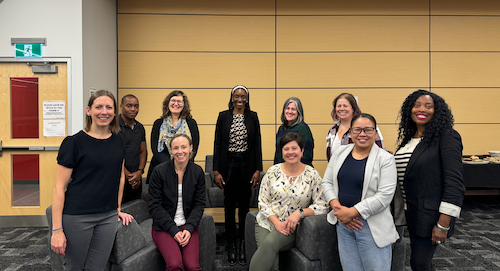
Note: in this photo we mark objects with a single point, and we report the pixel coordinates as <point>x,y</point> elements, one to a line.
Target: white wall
<point>99,46</point>
<point>83,31</point>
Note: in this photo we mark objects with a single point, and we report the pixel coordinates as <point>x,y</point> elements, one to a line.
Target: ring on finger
<point>439,242</point>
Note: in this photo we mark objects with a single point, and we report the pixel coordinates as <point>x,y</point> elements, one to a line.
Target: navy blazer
<point>221,144</point>
<point>163,196</point>
<point>434,174</point>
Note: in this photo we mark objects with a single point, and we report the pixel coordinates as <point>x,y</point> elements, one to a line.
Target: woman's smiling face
<point>423,111</point>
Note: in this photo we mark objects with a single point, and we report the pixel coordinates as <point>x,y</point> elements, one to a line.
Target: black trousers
<point>237,192</point>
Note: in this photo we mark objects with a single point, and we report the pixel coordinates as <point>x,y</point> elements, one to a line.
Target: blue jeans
<point>358,250</point>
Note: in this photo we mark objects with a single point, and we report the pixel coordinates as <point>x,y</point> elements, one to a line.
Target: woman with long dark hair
<point>237,164</point>
<point>359,185</point>
<point>430,173</point>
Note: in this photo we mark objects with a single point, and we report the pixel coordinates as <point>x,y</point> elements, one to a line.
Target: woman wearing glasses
<point>176,119</point>
<point>359,185</point>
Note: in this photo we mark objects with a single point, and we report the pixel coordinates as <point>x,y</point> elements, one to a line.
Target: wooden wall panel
<point>323,70</point>
<point>467,7</point>
<point>465,33</point>
<point>473,145</point>
<point>450,69</point>
<point>205,104</point>
<point>219,7</point>
<point>195,70</point>
<point>383,104</point>
<point>352,7</point>
<point>140,32</point>
<point>462,100</point>
<point>352,33</point>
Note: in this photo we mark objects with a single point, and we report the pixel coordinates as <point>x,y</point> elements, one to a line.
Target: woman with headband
<point>237,164</point>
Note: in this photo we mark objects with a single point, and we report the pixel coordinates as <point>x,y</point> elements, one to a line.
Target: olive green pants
<point>269,243</point>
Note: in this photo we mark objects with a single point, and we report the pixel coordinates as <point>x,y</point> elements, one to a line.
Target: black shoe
<point>231,253</point>
<point>242,256</point>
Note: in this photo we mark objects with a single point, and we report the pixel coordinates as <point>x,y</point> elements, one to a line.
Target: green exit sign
<point>29,50</point>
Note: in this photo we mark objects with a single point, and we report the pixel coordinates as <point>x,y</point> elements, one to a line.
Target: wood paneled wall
<point>378,50</point>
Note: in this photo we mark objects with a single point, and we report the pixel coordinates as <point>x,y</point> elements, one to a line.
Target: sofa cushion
<point>129,239</point>
<point>146,227</point>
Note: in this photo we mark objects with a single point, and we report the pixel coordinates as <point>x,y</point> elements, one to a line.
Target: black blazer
<point>163,195</point>
<point>434,174</point>
<point>221,144</point>
<point>160,157</point>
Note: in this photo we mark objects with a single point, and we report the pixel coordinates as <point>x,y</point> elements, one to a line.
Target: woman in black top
<point>176,119</point>
<point>430,168</point>
<point>237,164</point>
<point>176,204</point>
<point>85,210</point>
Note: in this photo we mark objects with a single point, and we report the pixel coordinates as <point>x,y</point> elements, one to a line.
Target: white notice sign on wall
<point>52,128</point>
<point>54,109</point>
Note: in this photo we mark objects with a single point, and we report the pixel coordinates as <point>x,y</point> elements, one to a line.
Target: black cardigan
<point>221,144</point>
<point>160,157</point>
<point>163,195</point>
<point>433,174</point>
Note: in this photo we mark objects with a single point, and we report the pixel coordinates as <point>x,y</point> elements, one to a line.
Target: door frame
<point>39,220</point>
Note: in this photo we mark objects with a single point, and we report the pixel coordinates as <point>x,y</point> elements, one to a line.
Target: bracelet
<point>58,229</point>
<point>441,228</point>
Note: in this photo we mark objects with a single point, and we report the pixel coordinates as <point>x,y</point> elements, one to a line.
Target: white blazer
<point>379,186</point>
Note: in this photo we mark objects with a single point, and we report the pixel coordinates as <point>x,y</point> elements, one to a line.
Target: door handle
<point>27,148</point>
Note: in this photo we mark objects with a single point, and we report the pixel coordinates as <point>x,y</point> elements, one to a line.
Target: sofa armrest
<point>129,239</point>
<point>250,242</point>
<point>207,237</point>
<point>316,239</point>
<point>138,208</point>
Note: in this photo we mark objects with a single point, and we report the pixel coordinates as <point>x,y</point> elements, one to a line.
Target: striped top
<point>402,157</point>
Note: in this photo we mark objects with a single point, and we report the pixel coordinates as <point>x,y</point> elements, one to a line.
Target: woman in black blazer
<point>237,164</point>
<point>176,119</point>
<point>429,173</point>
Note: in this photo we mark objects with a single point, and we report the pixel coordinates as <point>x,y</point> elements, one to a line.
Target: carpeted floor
<point>475,245</point>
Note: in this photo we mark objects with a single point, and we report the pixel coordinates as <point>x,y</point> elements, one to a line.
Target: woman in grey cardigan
<point>359,185</point>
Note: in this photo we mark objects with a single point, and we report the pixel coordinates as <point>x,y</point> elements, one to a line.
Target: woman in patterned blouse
<point>289,192</point>
<point>237,164</point>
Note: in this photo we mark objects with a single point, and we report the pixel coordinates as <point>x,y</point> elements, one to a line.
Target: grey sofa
<point>315,246</point>
<point>215,195</point>
<point>134,248</point>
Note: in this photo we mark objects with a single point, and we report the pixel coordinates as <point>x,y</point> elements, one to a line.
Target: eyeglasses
<point>358,130</point>
<point>173,101</point>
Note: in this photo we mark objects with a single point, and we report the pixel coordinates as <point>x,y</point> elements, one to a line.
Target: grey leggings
<point>90,239</point>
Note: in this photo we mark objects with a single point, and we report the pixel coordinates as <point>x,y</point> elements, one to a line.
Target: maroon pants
<point>176,256</point>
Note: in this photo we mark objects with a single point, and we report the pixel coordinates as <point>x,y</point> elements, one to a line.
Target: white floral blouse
<point>277,196</point>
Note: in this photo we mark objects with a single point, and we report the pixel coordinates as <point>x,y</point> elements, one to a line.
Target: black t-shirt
<point>132,139</point>
<point>351,177</point>
<point>97,167</point>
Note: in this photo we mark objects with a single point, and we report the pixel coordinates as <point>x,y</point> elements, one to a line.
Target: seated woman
<point>176,204</point>
<point>359,185</point>
<point>289,192</point>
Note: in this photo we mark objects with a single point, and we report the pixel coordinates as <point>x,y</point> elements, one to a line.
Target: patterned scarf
<point>167,131</point>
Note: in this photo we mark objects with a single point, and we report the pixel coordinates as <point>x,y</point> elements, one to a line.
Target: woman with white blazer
<point>359,185</point>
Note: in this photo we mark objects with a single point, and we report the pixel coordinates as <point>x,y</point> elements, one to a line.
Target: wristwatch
<point>142,170</point>
<point>301,211</point>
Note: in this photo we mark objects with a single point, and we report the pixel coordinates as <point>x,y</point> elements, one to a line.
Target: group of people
<point>422,181</point>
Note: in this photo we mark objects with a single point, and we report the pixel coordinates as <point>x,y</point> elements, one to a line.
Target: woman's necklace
<point>291,178</point>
